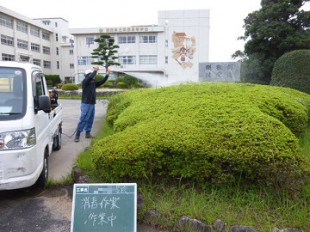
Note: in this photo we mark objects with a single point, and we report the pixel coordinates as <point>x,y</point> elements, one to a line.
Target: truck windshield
<point>12,93</point>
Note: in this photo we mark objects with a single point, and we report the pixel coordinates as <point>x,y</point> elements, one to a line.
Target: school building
<point>175,50</point>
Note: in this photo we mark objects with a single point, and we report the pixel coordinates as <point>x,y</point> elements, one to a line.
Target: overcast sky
<point>226,16</point>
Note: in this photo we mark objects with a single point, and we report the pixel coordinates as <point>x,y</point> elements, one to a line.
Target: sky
<point>226,16</point>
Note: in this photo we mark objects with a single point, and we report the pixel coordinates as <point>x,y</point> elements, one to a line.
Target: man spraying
<point>89,85</point>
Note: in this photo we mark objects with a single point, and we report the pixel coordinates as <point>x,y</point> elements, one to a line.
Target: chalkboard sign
<point>104,207</point>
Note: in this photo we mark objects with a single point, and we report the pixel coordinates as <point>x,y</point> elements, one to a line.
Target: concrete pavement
<point>62,161</point>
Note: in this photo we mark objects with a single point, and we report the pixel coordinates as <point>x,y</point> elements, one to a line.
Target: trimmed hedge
<point>69,86</point>
<point>293,70</point>
<point>214,132</point>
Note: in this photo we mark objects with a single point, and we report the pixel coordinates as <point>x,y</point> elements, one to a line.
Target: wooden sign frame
<point>104,207</point>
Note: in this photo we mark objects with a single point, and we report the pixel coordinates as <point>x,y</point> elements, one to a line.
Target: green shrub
<point>124,82</point>
<point>121,85</point>
<point>69,86</point>
<point>209,132</point>
<point>128,81</point>
<point>52,80</point>
<point>116,105</point>
<point>278,102</point>
<point>293,70</point>
<point>138,85</point>
<point>110,84</point>
<point>49,82</point>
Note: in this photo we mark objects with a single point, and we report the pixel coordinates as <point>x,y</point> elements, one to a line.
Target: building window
<point>71,42</point>
<point>7,40</point>
<point>21,26</point>
<point>57,51</point>
<point>148,59</point>
<point>89,40</point>
<point>126,39</point>
<point>22,44</point>
<point>85,60</point>
<point>35,31</point>
<point>6,21</point>
<point>127,59</point>
<point>82,61</point>
<point>56,35</point>
<point>71,52</point>
<point>148,39</point>
<point>37,62</point>
<point>46,22</point>
<point>46,64</point>
<point>45,35</point>
<point>56,24</point>
<point>8,57</point>
<point>35,47</point>
<point>24,58</point>
<point>46,50</point>
<point>122,39</point>
<point>166,43</point>
<point>71,66</point>
<point>58,66</point>
<point>166,59</point>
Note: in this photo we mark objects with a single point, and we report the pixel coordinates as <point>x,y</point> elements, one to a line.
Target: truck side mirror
<point>44,104</point>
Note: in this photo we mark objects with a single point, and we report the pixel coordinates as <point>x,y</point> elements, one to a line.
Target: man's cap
<point>88,71</point>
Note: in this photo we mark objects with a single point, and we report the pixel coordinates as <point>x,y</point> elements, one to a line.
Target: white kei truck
<point>30,126</point>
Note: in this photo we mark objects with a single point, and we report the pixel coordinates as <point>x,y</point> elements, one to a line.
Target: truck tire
<point>44,174</point>
<point>57,142</point>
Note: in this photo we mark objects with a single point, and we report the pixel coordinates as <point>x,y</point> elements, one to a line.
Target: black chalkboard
<point>104,207</point>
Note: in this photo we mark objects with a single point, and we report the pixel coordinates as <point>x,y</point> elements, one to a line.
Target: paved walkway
<point>62,161</point>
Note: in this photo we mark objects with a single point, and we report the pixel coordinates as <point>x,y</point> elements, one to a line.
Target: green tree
<point>278,27</point>
<point>105,53</point>
<point>52,80</point>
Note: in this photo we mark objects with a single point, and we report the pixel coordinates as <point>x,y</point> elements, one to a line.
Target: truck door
<point>41,119</point>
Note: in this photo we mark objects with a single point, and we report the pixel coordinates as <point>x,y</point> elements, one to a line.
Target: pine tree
<point>105,53</point>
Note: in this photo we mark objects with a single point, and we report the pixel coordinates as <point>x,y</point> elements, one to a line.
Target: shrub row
<point>69,87</point>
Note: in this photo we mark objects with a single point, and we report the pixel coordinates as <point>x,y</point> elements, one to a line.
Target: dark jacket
<point>89,86</point>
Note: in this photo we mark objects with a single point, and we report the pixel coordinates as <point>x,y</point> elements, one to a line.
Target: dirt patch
<point>58,201</point>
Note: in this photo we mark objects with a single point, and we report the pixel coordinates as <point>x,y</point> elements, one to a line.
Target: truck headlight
<point>17,139</point>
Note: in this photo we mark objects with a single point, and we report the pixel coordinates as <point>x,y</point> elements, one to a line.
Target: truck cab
<point>30,128</point>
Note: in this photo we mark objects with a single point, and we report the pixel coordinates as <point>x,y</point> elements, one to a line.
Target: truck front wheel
<point>44,174</point>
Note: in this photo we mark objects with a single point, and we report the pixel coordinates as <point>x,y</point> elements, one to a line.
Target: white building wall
<point>26,36</point>
<point>82,49</point>
<point>177,31</point>
<point>57,26</point>
<point>187,30</point>
<point>61,41</point>
<point>67,61</point>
